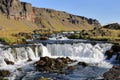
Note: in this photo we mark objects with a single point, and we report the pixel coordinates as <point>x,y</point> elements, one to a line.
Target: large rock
<point>83,64</point>
<point>49,64</point>
<point>4,73</point>
<point>17,10</point>
<point>112,74</point>
<point>115,50</point>
<point>8,62</point>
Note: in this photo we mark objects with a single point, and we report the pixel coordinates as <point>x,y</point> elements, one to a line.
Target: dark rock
<point>113,26</point>
<point>8,62</point>
<point>19,69</point>
<point>29,59</point>
<point>112,74</point>
<point>115,49</point>
<point>4,73</point>
<point>94,22</point>
<point>109,53</point>
<point>71,67</point>
<point>83,64</point>
<point>49,64</point>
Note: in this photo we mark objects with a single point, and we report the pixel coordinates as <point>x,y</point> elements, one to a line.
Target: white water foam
<point>81,51</point>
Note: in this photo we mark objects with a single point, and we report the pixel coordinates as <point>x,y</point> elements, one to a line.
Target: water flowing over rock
<point>80,51</point>
<point>16,55</point>
<point>20,60</point>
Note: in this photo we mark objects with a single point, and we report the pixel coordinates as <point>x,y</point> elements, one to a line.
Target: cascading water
<point>80,51</point>
<point>17,55</point>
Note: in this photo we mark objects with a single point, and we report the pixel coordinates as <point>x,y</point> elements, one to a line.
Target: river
<point>93,54</point>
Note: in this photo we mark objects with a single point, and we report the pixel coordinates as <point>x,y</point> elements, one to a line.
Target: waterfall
<point>18,55</point>
<point>80,51</point>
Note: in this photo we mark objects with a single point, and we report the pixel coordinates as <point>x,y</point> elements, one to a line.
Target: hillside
<point>17,17</point>
<point>60,20</point>
<point>114,26</point>
<point>45,18</point>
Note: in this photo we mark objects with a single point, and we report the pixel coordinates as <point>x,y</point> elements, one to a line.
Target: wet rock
<point>43,79</point>
<point>109,53</point>
<point>4,73</point>
<point>71,67</point>
<point>83,64</point>
<point>50,64</point>
<point>19,69</point>
<point>8,62</point>
<point>115,50</point>
<point>112,74</point>
<point>29,60</point>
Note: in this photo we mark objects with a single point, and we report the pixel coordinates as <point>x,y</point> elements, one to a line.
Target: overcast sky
<point>106,11</point>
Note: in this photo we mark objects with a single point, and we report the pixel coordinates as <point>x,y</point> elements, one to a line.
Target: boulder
<point>29,59</point>
<point>109,53</point>
<point>4,73</point>
<point>71,67</point>
<point>115,49</point>
<point>49,64</point>
<point>112,74</point>
<point>8,62</point>
<point>83,64</point>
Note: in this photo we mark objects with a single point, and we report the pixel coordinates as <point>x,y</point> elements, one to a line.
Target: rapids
<point>86,52</point>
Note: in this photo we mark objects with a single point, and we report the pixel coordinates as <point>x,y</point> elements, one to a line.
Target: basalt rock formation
<point>113,26</point>
<point>17,10</point>
<point>52,19</point>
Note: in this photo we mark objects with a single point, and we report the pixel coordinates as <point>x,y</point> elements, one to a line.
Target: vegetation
<point>99,34</point>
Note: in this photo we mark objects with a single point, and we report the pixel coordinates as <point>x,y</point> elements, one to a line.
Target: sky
<point>105,11</point>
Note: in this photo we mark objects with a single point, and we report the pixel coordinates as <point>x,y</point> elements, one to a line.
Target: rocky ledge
<point>115,50</point>
<point>51,64</point>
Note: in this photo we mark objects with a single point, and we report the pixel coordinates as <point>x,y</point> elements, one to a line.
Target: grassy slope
<point>11,26</point>
<point>54,20</point>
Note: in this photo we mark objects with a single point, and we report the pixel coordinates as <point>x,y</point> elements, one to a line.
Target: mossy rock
<point>4,73</point>
<point>19,69</point>
<point>43,79</point>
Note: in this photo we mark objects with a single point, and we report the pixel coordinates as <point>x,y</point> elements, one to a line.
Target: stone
<point>29,59</point>
<point>83,64</point>
<point>112,74</point>
<point>71,68</point>
<point>109,53</point>
<point>8,62</point>
<point>4,73</point>
<point>50,64</point>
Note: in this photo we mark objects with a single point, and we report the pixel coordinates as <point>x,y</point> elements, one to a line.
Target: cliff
<point>48,18</point>
<point>14,9</point>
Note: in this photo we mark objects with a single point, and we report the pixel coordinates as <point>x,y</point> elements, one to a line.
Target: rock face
<point>52,19</point>
<point>17,10</point>
<point>115,50</point>
<point>113,26</point>
<point>112,74</point>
